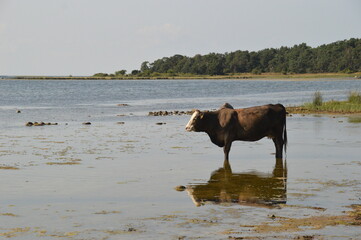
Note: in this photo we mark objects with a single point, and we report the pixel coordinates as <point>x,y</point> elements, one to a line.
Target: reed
<point>317,99</point>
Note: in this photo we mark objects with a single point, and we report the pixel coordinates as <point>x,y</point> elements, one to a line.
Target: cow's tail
<point>284,129</point>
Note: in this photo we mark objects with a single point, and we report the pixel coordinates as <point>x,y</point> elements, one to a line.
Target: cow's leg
<point>226,149</point>
<point>278,141</point>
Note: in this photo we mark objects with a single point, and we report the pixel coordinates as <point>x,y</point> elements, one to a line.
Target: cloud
<point>6,45</point>
<point>2,28</point>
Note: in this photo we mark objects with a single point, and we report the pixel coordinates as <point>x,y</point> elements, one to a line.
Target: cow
<point>226,125</point>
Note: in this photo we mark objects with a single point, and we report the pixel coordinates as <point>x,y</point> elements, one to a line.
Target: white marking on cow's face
<point>190,124</point>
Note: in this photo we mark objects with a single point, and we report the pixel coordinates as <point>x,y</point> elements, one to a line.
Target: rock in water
<point>180,188</point>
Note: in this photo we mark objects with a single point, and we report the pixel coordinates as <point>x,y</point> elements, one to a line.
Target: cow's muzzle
<point>190,129</point>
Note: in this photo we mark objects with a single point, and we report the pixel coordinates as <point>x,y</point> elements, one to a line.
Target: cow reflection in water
<point>248,188</point>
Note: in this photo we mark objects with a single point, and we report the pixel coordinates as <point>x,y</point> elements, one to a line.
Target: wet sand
<point>116,181</point>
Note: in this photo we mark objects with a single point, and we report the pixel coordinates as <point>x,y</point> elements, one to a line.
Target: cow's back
<point>261,121</point>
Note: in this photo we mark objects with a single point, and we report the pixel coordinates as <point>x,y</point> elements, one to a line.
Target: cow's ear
<point>226,116</point>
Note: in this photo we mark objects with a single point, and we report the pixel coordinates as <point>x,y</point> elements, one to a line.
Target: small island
<point>341,59</point>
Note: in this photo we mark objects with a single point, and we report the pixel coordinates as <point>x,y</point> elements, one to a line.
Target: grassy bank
<point>351,106</point>
<point>190,76</point>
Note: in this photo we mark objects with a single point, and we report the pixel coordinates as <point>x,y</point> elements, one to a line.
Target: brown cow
<point>246,124</point>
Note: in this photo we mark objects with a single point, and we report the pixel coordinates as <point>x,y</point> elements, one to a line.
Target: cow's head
<point>194,123</point>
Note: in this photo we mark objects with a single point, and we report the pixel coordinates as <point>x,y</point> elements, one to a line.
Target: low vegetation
<point>354,97</point>
<point>278,76</point>
<point>351,105</point>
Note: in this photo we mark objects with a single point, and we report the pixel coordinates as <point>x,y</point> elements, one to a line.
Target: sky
<point>83,37</point>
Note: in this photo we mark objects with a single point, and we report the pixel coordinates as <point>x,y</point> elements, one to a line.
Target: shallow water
<point>116,181</point>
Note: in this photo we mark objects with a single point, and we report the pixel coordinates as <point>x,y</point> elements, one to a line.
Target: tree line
<point>341,56</point>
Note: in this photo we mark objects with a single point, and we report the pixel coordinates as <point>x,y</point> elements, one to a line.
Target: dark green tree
<point>341,56</point>
<point>120,73</point>
<point>144,67</point>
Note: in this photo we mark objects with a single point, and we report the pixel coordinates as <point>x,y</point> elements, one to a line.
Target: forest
<point>341,56</point>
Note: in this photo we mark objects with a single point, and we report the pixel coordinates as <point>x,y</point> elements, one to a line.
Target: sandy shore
<point>263,76</point>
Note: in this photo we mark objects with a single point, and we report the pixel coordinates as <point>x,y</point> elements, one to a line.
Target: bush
<point>135,72</point>
<point>100,75</point>
<point>317,99</point>
<point>257,71</point>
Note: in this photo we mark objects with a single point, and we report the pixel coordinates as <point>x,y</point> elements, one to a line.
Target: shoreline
<point>245,76</point>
